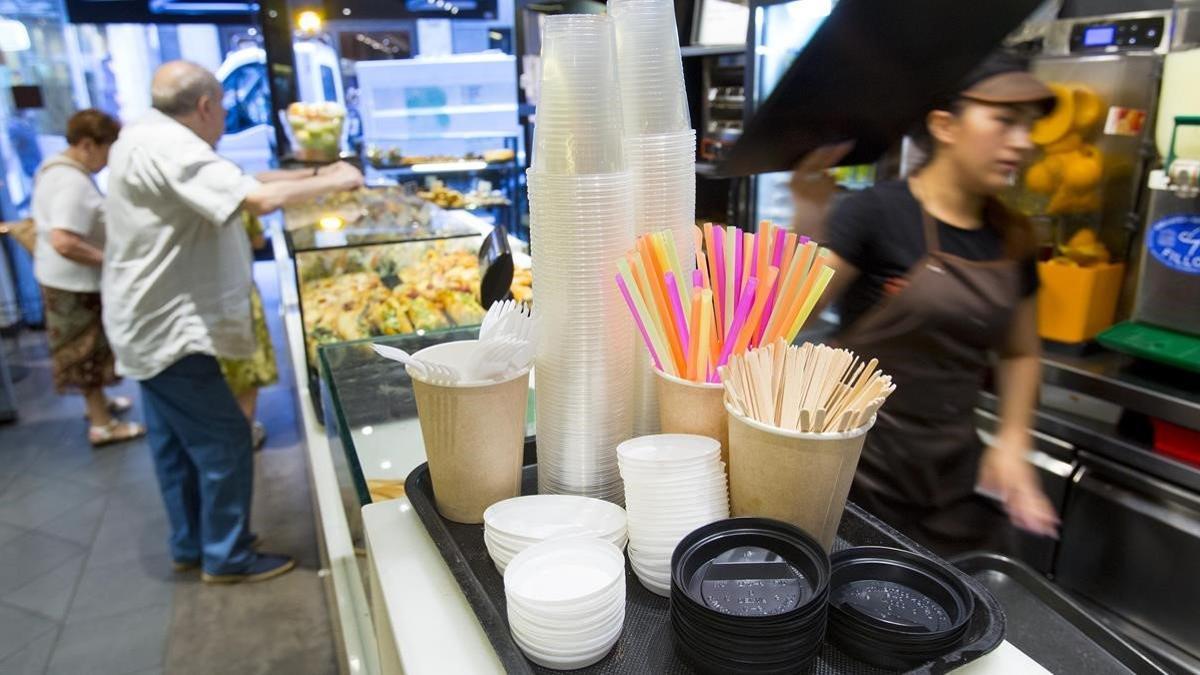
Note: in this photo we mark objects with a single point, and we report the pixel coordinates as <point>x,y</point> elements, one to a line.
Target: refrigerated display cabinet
<point>378,261</point>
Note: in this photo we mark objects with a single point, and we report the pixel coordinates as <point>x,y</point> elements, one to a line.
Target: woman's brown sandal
<point>115,432</point>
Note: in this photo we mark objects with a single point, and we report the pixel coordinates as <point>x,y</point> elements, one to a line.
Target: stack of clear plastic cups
<point>581,223</point>
<point>580,226</point>
<point>578,128</point>
<point>661,147</point>
<point>649,66</point>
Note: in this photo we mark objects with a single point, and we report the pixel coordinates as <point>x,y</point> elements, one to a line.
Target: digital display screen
<point>1100,36</point>
<point>162,11</point>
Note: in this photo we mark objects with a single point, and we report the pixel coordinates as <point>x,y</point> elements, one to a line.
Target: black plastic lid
<point>756,570</point>
<point>892,607</point>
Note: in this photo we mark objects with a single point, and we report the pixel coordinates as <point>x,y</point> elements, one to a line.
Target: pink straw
<point>718,276</point>
<point>802,240</point>
<point>766,315</point>
<point>677,311</point>
<point>737,263</point>
<point>638,320</point>
<point>754,254</point>
<point>739,319</point>
<point>697,279</point>
<point>777,256</point>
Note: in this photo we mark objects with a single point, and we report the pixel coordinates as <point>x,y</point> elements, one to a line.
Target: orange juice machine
<point>1084,187</point>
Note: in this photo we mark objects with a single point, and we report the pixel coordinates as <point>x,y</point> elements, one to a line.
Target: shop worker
<point>936,279</point>
<point>176,289</point>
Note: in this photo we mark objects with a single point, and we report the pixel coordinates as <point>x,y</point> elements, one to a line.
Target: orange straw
<point>789,249</point>
<point>789,293</point>
<point>643,289</point>
<point>750,328</point>
<point>702,265</point>
<point>762,251</point>
<point>747,259</point>
<point>785,325</point>
<point>654,279</point>
<point>697,359</point>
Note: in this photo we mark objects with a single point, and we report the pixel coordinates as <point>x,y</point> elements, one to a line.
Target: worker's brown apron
<point>919,466</point>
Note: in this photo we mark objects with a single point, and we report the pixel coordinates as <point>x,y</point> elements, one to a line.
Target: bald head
<point>191,95</point>
<point>178,87</point>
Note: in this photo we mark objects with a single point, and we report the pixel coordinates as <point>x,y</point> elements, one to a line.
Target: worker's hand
<point>812,186</point>
<point>1005,473</point>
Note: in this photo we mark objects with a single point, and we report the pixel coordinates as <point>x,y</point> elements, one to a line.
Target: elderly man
<point>176,285</point>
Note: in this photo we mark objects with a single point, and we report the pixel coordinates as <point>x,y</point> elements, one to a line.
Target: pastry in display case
<point>481,195</point>
<point>389,289</point>
<point>380,261</point>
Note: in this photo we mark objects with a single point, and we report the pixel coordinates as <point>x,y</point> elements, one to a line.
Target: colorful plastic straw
<point>747,290</point>
<point>680,318</point>
<point>639,317</point>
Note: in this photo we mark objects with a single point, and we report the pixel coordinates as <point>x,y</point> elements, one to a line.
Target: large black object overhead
<point>868,74</point>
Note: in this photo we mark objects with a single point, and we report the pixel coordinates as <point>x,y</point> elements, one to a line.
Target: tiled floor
<point>85,580</point>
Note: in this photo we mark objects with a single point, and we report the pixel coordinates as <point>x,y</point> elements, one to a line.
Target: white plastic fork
<point>512,319</point>
<point>495,314</point>
<point>438,373</point>
<point>500,357</point>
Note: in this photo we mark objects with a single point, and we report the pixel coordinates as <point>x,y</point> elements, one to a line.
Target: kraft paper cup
<point>474,437</point>
<point>693,408</point>
<point>795,477</point>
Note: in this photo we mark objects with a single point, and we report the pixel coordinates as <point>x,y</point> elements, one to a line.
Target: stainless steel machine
<point>1165,326</point>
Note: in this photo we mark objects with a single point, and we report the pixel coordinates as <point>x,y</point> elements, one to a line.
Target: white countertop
<point>434,629</point>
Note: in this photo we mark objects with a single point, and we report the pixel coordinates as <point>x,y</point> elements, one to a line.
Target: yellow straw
<point>639,275</point>
<point>791,285</point>
<point>706,324</point>
<point>685,283</point>
<point>818,288</point>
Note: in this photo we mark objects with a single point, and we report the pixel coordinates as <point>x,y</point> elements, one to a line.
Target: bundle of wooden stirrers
<point>810,388</point>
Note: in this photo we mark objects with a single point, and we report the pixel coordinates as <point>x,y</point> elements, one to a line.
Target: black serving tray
<point>647,644</point>
<point>1050,627</point>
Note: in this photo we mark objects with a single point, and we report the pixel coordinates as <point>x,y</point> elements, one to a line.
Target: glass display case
<point>476,171</point>
<point>378,261</point>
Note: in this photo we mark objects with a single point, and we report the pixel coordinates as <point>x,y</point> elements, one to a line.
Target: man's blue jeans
<point>205,463</point>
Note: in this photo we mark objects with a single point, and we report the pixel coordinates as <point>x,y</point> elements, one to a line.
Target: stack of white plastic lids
<point>674,483</point>
<point>513,525</point>
<point>661,147</point>
<point>581,223</point>
<point>566,601</point>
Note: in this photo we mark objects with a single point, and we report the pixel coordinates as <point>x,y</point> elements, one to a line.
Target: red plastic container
<point>1175,441</point>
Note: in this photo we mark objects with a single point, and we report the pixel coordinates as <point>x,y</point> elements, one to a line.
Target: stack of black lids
<point>749,595</point>
<point>895,609</point>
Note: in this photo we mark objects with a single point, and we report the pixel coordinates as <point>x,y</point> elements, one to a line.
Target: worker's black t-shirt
<point>880,231</point>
